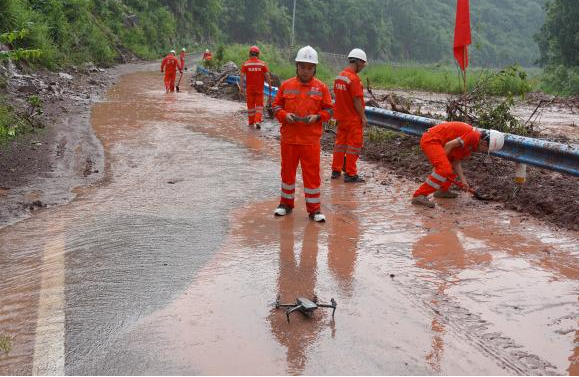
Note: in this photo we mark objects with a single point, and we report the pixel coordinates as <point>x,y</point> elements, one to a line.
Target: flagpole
<point>464,80</point>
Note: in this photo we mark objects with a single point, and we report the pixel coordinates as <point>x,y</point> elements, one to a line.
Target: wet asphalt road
<point>171,264</point>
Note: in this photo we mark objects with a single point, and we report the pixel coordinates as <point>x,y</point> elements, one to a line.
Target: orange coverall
<point>254,71</point>
<point>432,144</point>
<point>350,135</point>
<point>182,59</point>
<point>170,65</point>
<point>300,142</point>
<point>207,56</point>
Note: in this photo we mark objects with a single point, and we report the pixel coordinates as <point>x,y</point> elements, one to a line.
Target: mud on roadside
<point>548,196</point>
<point>42,168</point>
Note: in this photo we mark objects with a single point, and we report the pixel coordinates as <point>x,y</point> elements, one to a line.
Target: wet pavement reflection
<point>172,264</point>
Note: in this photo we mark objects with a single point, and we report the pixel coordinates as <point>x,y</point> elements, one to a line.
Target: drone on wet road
<point>305,306</point>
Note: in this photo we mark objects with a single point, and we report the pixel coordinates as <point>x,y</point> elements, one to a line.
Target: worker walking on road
<point>349,113</point>
<point>254,73</point>
<point>446,145</point>
<point>170,65</point>
<point>301,105</point>
<point>182,59</point>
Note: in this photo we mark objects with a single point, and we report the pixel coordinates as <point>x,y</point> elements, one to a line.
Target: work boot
<point>282,210</point>
<point>445,194</point>
<point>422,200</point>
<point>336,174</point>
<point>318,217</point>
<point>258,126</point>
<point>353,178</point>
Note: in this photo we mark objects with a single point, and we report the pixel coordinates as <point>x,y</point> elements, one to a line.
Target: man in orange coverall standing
<point>207,57</point>
<point>182,59</point>
<point>301,105</point>
<point>170,65</point>
<point>349,113</point>
<point>253,74</point>
<point>446,145</point>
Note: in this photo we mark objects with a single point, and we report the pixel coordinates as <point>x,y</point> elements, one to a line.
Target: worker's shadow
<point>297,279</point>
<point>343,237</point>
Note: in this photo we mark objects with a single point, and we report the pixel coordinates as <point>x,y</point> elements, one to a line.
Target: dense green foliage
<point>74,31</point>
<point>559,46</point>
<point>12,38</point>
<point>70,31</point>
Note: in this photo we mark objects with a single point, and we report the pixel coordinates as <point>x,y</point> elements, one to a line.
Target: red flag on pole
<point>462,33</point>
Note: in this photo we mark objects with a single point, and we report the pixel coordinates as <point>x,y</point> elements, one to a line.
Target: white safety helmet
<point>172,51</point>
<point>496,141</point>
<point>358,54</point>
<point>307,55</point>
<point>183,49</point>
<point>494,138</point>
<point>207,50</point>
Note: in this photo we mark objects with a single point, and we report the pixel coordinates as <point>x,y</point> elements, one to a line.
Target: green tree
<point>559,37</point>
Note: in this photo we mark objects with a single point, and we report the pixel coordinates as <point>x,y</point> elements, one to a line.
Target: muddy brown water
<point>172,263</point>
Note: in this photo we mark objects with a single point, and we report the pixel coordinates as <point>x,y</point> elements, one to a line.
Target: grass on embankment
<point>512,80</point>
<point>5,344</point>
<point>10,124</point>
<point>14,123</point>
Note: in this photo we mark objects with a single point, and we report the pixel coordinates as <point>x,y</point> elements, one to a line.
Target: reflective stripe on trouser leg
<point>289,165</point>
<point>431,185</point>
<point>256,100</point>
<point>442,169</point>
<point>339,149</point>
<point>258,107</point>
<point>250,100</point>
<point>354,140</point>
<point>310,161</point>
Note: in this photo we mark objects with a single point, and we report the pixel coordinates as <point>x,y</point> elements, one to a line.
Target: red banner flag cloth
<point>462,33</point>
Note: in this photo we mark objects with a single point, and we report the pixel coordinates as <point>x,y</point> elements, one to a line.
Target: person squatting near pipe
<point>253,74</point>
<point>170,65</point>
<point>445,145</point>
<point>301,105</point>
<point>349,113</point>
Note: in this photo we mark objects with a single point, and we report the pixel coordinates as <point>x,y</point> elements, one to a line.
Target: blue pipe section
<point>267,90</point>
<point>202,70</point>
<point>562,158</point>
<point>233,80</point>
<point>545,154</point>
<point>392,120</point>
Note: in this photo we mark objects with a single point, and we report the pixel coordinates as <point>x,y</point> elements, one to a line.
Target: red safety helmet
<point>254,49</point>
